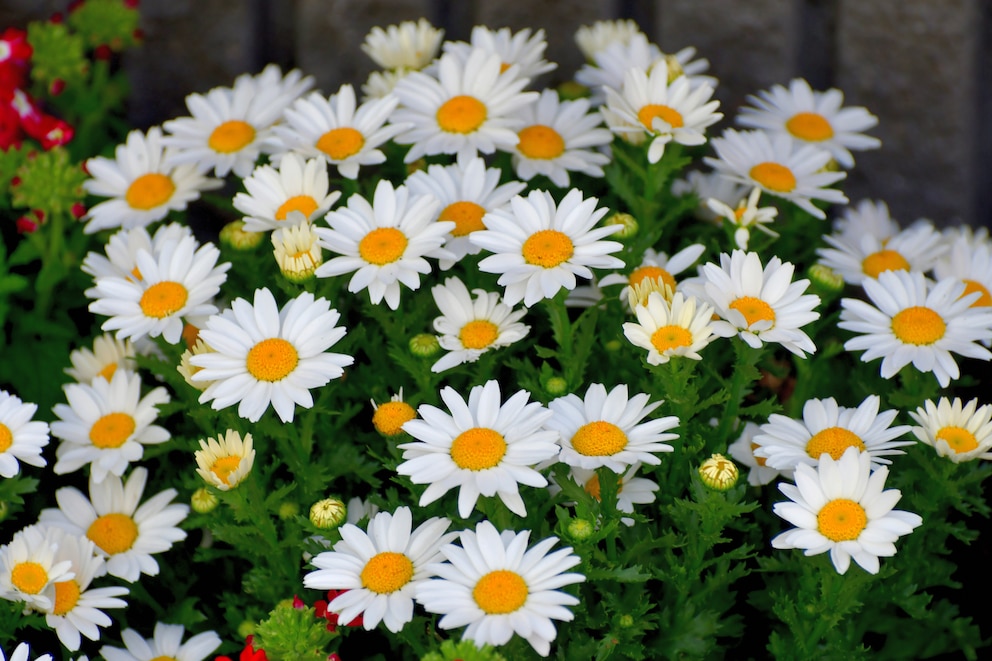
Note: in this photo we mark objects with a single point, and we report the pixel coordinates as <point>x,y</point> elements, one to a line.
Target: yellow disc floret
<point>6,437</point>
<point>478,334</point>
<point>809,126</point>
<point>478,448</point>
<point>114,533</point>
<point>163,299</point>
<point>66,597</point>
<point>29,577</point>
<point>918,325</point>
<point>467,217</point>
<point>541,142</point>
<point>648,113</point>
<point>774,177</point>
<point>383,245</point>
<point>461,114</point>
<point>883,260</point>
<point>841,520</point>
<point>671,337</point>
<point>500,592</point>
<point>753,309</point>
<point>272,359</point>
<point>302,203</point>
<point>390,417</point>
<point>149,191</point>
<point>112,430</point>
<point>958,438</point>
<point>387,572</point>
<point>548,248</point>
<point>833,441</point>
<point>599,439</point>
<point>231,136</point>
<point>341,143</point>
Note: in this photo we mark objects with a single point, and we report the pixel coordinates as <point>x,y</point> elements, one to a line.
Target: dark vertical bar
<point>983,152</point>
<point>273,32</point>
<point>818,30</point>
<point>644,12</point>
<point>455,17</point>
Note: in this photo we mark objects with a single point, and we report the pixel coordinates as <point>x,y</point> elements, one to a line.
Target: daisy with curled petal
<point>384,243</point>
<point>108,354</point>
<point>264,355</point>
<point>812,117</point>
<point>745,216</point>
<point>29,569</point>
<point>960,432</point>
<point>21,438</point>
<point>297,251</point>
<point>858,257</point>
<point>631,490</point>
<point>21,652</point>
<point>656,266</point>
<point>468,108</point>
<point>126,534</point>
<point>274,194</point>
<point>469,327</point>
<point>482,447</point>
<point>608,429</point>
<point>525,49</point>
<point>106,424</point>
<point>913,321</point>
<point>541,246</point>
<point>143,182</point>
<point>840,506</point>
<point>410,45</point>
<point>706,186</point>
<point>225,462</point>
<point>781,166</point>
<point>499,587</point>
<point>828,428</point>
<point>379,569</point>
<point>667,329</point>
<point>969,259</point>
<point>742,451</point>
<point>166,643</point>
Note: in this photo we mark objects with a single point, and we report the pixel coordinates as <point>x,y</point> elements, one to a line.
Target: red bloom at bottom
<point>249,653</point>
<point>320,606</point>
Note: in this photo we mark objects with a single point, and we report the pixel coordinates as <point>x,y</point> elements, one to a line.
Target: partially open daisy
<point>107,355</point>
<point>389,417</point>
<point>143,183</point>
<point>22,651</point>
<point>667,329</point>
<point>467,109</point>
<point>106,424</point>
<point>379,569</point>
<point>384,243</point>
<point>742,450</point>
<point>29,569</point>
<point>469,326</point>
<point>828,428</point>
<point>914,321</point>
<point>21,438</point>
<point>859,256</point>
<point>125,533</point>
<point>591,39</point>
<point>609,429</point>
<point>960,432</point>
<point>120,256</point>
<point>840,506</point>
<point>166,644</point>
<point>409,45</point>
<point>706,186</point>
<point>297,251</point>
<point>225,461</point>
<point>540,247</point>
<point>483,447</point>
<point>524,48</point>
<point>274,194</point>
<point>631,490</point>
<point>656,266</point>
<point>498,586</point>
<point>745,216</point>
<point>265,355</point>
<point>969,259</point>
<point>781,166</point>
<point>812,117</point>
<point>866,217</point>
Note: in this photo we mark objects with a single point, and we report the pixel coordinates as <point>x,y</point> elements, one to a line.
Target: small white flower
<point>857,257</point>
<point>21,438</point>
<point>273,195</point>
<point>745,216</point>
<point>29,569</point>
<point>525,49</point>
<point>667,329</point>
<point>166,643</point>
<point>409,45</point>
<point>225,461</point>
<point>958,432</point>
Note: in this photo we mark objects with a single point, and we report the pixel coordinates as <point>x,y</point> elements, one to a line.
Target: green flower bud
<point>719,473</point>
<point>288,510</point>
<point>234,236</point>
<point>571,90</point>
<point>825,279</point>
<point>328,514</point>
<point>203,501</point>
<point>555,386</point>
<point>628,222</point>
<point>580,530</point>
<point>424,345</point>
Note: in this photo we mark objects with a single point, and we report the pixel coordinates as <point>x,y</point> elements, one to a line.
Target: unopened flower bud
<point>674,67</point>
<point>424,345</point>
<point>203,501</point>
<point>719,473</point>
<point>825,279</point>
<point>625,220</point>
<point>246,628</point>
<point>571,90</point>
<point>556,386</point>
<point>580,530</point>
<point>288,510</point>
<point>234,236</point>
<point>328,514</point>
<point>626,621</point>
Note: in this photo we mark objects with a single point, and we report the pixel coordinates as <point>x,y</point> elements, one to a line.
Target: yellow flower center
<point>833,441</point>
<point>642,273</point>
<point>341,143</point>
<point>810,126</point>
<point>387,572</point>
<point>113,533</point>
<point>500,592</point>
<point>478,448</point>
<point>671,337</point>
<point>883,260</point>
<point>541,142</point>
<point>592,486</point>
<point>959,438</point>
<point>841,520</point>
<point>753,309</point>
<point>149,191</point>
<point>29,577</point>
<point>107,372</point>
<point>467,217</point>
<point>272,359</point>
<point>390,417</point>
<point>163,658</point>
<point>918,325</point>
<point>136,272</point>
<point>599,439</point>
<point>761,461</point>
<point>6,438</point>
<point>478,334</point>
<point>984,299</point>
<point>774,177</point>
<point>163,298</point>
<point>112,430</point>
<point>224,466</point>
<point>302,203</point>
<point>461,114</point>
<point>548,248</point>
<point>650,111</point>
<point>383,245</point>
<point>231,136</point>
<point>66,597</point>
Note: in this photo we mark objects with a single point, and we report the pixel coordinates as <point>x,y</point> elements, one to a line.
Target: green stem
<point>746,359</point>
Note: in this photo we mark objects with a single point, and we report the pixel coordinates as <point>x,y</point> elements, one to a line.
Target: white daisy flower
<point>742,451</point>
<point>840,506</point>
<point>410,45</point>
<point>381,84</point>
<point>21,653</point>
<point>656,266</point>
<point>759,305</point>
<point>29,569</point>
<point>781,166</point>
<point>107,355</point>
<point>467,109</point>
<point>706,186</point>
<point>106,424</point>
<point>558,137</point>
<point>608,429</point>
<point>225,462</point>
<point>968,259</point>
<point>178,283</point>
<point>960,432</point>
<point>384,243</point>
<point>828,428</point>
<point>380,569</point>
<point>120,256</point>
<point>21,438</point>
<point>286,87</point>
<point>124,532</point>
<point>166,643</point>
<point>76,607</point>
<point>866,217</point>
<point>525,49</point>
<point>746,216</point>
<point>482,447</point>
<point>912,321</point>
<point>671,329</point>
<point>262,355</point>
<point>540,247</point>
<point>498,586</point>
<point>467,190</point>
<point>297,251</point>
<point>143,182</point>
<point>857,258</point>
<point>631,490</point>
<point>591,39</point>
<point>339,130</point>
<point>812,117</point>
<point>469,327</point>
<point>274,194</point>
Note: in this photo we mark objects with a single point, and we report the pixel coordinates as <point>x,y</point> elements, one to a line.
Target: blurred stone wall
<point>922,66</point>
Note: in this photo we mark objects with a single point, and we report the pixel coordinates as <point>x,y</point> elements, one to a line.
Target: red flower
<point>320,607</point>
<point>15,52</point>
<point>249,653</point>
